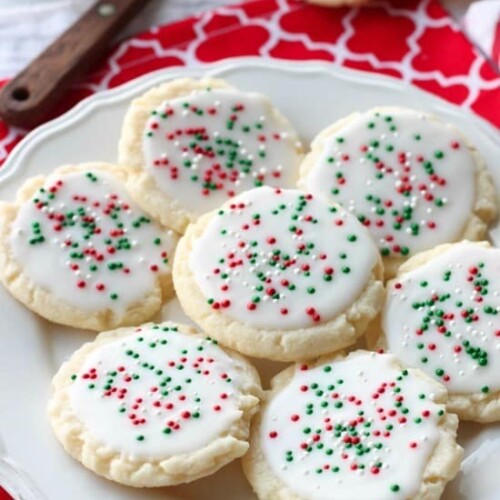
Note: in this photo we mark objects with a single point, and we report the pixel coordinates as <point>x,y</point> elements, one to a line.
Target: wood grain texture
<point>27,99</point>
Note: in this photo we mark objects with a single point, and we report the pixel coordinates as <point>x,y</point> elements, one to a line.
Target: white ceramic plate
<point>312,95</point>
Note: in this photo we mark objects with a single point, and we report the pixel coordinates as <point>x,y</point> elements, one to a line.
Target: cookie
<point>192,144</point>
<point>352,428</point>
<point>442,315</point>
<point>279,274</point>
<point>77,251</point>
<point>155,405</point>
<point>412,180</point>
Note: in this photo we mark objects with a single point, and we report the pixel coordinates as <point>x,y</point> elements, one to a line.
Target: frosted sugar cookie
<point>279,274</point>
<point>192,144</point>
<point>412,180</point>
<point>352,428</point>
<point>442,315</point>
<point>156,405</point>
<point>76,250</point>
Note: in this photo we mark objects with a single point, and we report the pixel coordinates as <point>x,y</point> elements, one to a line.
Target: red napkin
<point>413,40</point>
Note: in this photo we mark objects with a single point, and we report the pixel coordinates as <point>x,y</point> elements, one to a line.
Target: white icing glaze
<point>130,415</point>
<point>463,320</point>
<point>191,143</point>
<point>363,424</point>
<point>115,258</point>
<point>409,178</point>
<point>281,259</point>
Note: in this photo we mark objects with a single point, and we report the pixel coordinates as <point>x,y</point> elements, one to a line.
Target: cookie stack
<point>275,254</point>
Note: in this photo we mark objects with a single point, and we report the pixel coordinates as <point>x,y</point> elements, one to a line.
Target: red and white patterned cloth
<point>414,40</point>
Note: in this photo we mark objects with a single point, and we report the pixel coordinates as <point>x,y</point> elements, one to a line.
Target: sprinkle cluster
<point>96,239</point>
<point>453,326</point>
<point>159,386</point>
<point>333,430</point>
<point>217,142</point>
<point>273,254</point>
<point>393,172</point>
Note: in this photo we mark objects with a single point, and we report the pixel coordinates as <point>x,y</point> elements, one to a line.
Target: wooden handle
<point>27,99</point>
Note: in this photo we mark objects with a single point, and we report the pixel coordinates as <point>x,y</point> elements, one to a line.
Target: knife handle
<point>27,99</point>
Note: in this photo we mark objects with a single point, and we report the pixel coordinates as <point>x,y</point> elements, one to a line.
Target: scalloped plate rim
<point>107,96</point>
